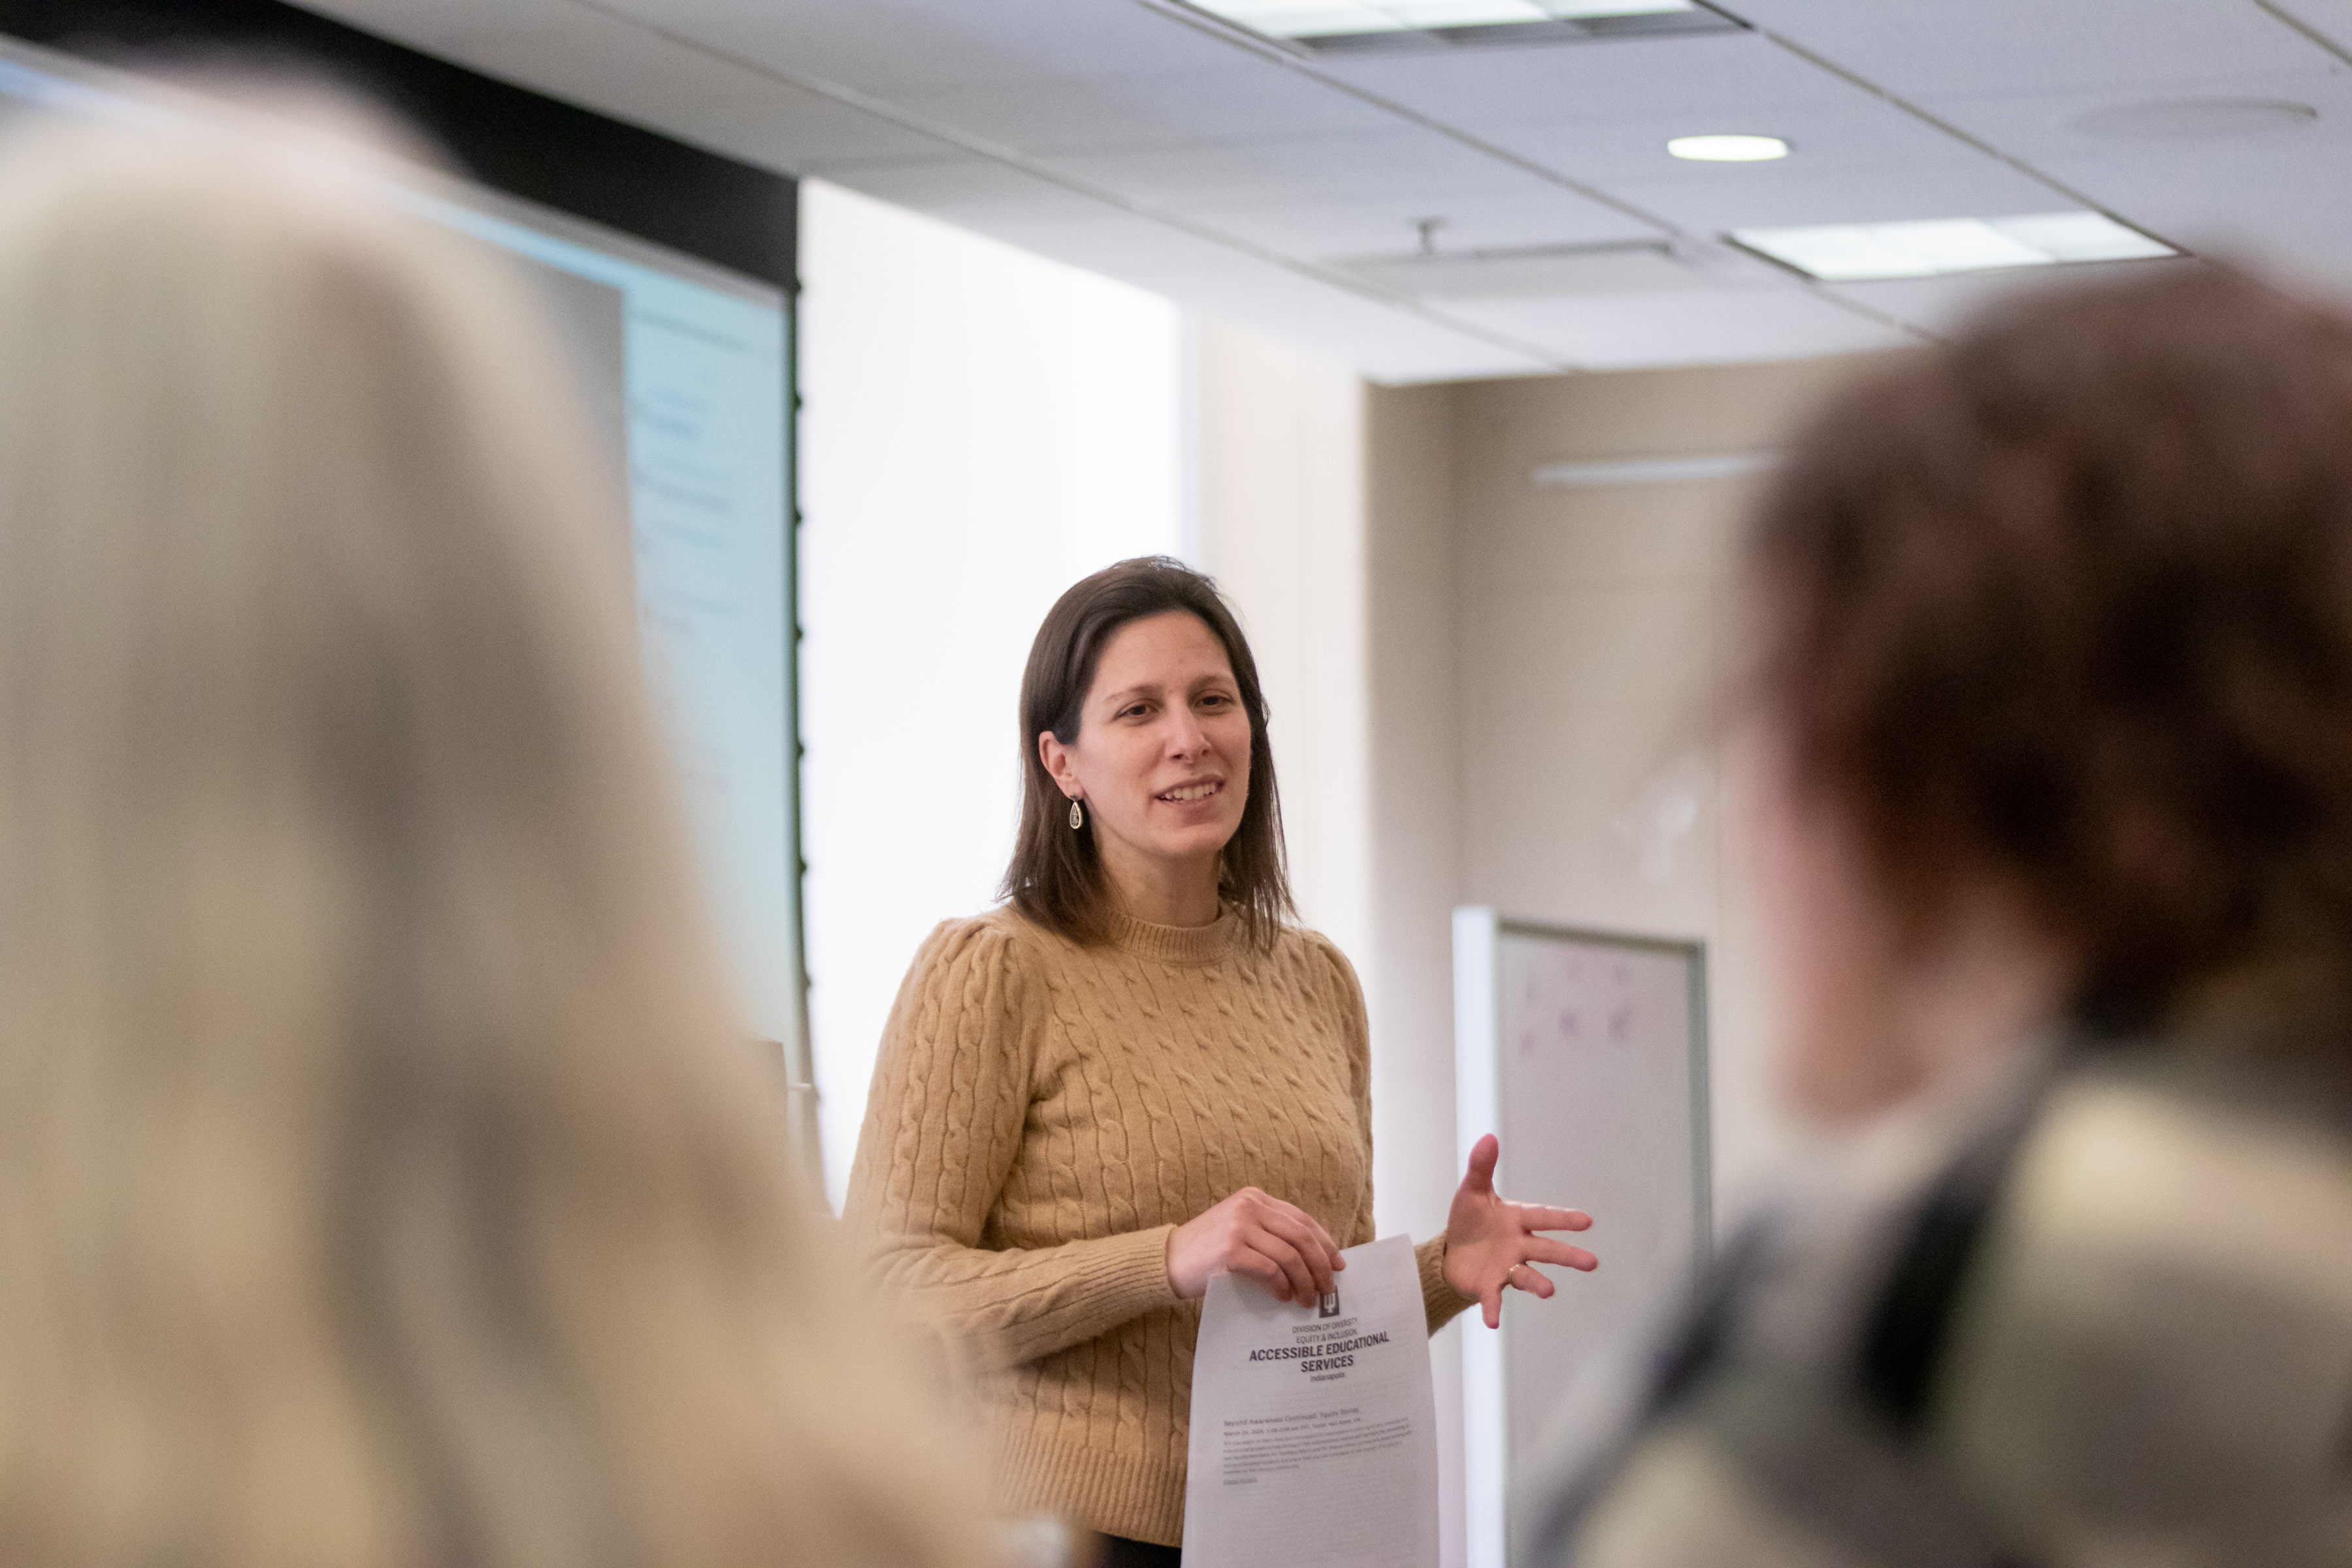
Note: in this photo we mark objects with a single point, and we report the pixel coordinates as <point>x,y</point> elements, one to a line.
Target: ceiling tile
<point>784,128</point>
<point>1476,88</point>
<point>713,101</point>
<point>1293,168</point>
<point>2250,199</point>
<point>617,68</point>
<point>1847,129</point>
<point>1640,331</point>
<point>1141,110</point>
<point>1942,305</point>
<point>2013,46</point>
<point>961,187</point>
<point>896,44</point>
<point>1967,185</point>
<point>611,64</point>
<point>2331,19</point>
<point>1530,212</point>
<point>440,24</point>
<point>2045,125</point>
<point>1385,343</point>
<point>1251,98</point>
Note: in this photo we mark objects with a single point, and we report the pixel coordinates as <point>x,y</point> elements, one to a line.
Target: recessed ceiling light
<point>1728,149</point>
<point>1862,252</point>
<point>1366,24</point>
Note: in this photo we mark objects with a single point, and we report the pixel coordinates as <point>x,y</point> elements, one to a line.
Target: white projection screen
<point>1585,1053</point>
<point>682,366</point>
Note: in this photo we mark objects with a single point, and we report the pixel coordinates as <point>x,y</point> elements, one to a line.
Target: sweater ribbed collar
<point>1176,944</point>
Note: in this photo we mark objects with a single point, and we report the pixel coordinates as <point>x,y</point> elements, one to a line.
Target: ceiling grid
<point>1296,188</point>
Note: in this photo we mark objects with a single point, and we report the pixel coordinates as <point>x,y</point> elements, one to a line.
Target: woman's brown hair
<point>2068,603</point>
<point>1055,877</point>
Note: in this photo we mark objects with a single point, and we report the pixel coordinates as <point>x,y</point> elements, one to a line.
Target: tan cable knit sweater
<point>1044,1114</point>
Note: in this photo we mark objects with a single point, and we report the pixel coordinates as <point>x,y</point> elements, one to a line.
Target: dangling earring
<point>1078,817</point>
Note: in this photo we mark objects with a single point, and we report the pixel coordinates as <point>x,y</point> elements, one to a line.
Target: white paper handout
<point>1314,1424</point>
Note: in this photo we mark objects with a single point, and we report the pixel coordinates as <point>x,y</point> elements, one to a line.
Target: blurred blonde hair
<point>385,1181</point>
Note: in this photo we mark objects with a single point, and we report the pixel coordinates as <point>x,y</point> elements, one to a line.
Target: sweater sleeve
<point>1439,1300</point>
<point>943,1126</point>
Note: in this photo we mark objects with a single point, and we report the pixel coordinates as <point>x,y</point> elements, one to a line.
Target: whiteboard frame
<point>1478,932</point>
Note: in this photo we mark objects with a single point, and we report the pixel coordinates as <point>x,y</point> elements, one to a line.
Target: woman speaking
<point>1137,1073</point>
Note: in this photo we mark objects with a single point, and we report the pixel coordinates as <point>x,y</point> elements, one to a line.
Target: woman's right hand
<point>1281,1247</point>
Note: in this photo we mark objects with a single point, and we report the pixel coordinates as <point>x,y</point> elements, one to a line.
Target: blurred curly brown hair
<point>2068,600</point>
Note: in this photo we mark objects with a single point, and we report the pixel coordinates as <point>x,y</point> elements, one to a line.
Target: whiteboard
<point>1585,1053</point>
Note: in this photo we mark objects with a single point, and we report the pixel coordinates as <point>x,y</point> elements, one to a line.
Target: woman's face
<point>1162,754</point>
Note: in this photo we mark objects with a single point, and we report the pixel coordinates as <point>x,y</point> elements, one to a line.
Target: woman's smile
<point>1160,765</point>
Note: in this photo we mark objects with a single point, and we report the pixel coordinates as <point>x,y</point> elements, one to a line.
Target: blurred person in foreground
<point>2054,852</point>
<point>385,1181</point>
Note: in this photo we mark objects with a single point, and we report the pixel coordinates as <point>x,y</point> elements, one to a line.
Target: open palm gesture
<point>1491,1242</point>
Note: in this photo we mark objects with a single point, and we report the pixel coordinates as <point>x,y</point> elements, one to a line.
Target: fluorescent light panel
<point>1935,248</point>
<point>1311,19</point>
<point>1612,472</point>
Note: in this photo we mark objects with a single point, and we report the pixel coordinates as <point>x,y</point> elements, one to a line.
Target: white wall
<point>1279,447</point>
<point>980,429</point>
<point>1597,638</point>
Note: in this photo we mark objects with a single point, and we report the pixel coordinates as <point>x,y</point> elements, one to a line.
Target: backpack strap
<point>1906,1329</point>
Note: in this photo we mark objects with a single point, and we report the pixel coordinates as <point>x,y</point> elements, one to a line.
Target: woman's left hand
<point>1491,1242</point>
